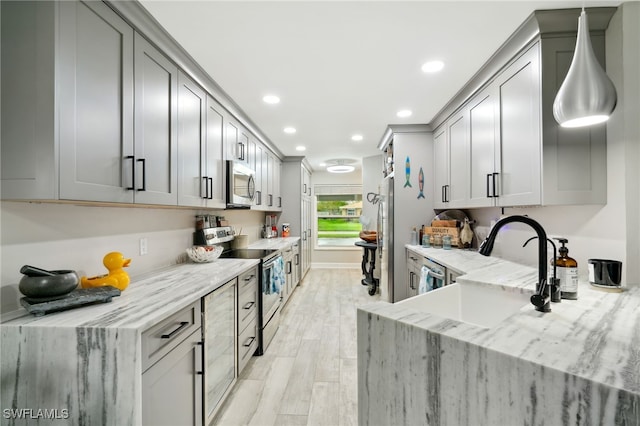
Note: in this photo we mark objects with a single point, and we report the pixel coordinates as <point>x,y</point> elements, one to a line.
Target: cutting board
<point>75,299</point>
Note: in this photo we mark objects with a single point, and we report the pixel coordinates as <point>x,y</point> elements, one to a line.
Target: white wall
<point>64,236</point>
<point>610,231</point>
<point>348,256</point>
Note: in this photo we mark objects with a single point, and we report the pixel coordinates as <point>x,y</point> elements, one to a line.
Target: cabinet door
<point>172,388</point>
<point>259,199</point>
<point>270,176</point>
<point>457,192</point>
<point>519,156</point>
<point>220,356</point>
<point>441,168</point>
<point>214,176</point>
<point>191,118</point>
<point>482,141</point>
<point>277,194</point>
<point>95,103</point>
<point>156,130</point>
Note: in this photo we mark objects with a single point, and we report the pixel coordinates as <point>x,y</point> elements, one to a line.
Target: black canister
<point>605,272</point>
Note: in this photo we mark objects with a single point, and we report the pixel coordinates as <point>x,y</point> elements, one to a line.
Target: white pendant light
<point>587,95</point>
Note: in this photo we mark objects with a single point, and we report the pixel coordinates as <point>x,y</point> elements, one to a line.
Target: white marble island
<point>579,364</point>
<point>87,361</point>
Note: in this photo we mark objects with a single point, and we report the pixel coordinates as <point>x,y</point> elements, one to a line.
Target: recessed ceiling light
<point>289,130</point>
<point>301,148</point>
<point>356,138</point>
<point>432,66</point>
<point>404,113</point>
<point>271,99</point>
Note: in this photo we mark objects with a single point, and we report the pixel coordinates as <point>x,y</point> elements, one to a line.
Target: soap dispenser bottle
<point>567,270</point>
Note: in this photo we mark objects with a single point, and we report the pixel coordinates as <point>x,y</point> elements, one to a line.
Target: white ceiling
<point>339,67</point>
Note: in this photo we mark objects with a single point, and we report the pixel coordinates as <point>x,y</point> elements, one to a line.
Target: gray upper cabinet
<point>441,167</point>
<point>213,156</point>
<point>67,105</point>
<point>96,102</point>
<point>192,101</point>
<point>517,153</point>
<point>482,151</point>
<point>155,177</point>
<point>237,143</point>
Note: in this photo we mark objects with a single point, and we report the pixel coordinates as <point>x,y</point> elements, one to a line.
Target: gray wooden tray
<point>75,299</point>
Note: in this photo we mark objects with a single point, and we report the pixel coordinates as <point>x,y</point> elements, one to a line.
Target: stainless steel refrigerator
<point>385,239</point>
<point>405,202</point>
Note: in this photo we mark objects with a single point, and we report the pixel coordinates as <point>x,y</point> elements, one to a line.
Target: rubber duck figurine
<point>117,276</point>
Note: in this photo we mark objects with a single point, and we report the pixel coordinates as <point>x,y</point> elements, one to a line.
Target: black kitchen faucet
<point>541,300</point>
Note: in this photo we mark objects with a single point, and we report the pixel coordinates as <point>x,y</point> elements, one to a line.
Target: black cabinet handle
<point>182,325</point>
<point>488,178</point>
<point>280,202</point>
<point>447,192</point>
<point>248,305</point>
<point>289,268</point>
<point>249,278</point>
<point>297,259</point>
<point>248,342</point>
<point>270,200</point>
<point>495,176</point>
<point>241,151</point>
<point>304,235</point>
<point>133,172</point>
<point>206,187</point>
<point>144,173</point>
<point>304,185</point>
<point>211,190</point>
<point>442,193</point>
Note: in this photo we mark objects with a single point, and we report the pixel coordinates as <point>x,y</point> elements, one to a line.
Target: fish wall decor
<point>407,171</point>
<point>421,184</point>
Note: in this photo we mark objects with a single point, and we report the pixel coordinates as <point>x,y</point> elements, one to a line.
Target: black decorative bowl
<point>61,283</point>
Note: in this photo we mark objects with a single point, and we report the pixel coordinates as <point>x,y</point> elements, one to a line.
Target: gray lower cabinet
<point>220,346</point>
<point>414,267</point>
<point>248,297</point>
<point>172,370</point>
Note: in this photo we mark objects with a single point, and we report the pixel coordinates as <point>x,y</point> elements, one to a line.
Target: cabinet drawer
<point>247,345</point>
<point>164,336</point>
<point>248,280</point>
<point>247,307</point>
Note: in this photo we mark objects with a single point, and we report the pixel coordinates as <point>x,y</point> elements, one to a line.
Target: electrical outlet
<point>144,248</point>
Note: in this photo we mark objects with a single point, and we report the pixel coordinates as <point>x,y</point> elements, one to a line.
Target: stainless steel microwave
<point>241,185</point>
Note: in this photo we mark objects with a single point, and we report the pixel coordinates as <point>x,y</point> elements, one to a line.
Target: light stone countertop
<point>147,300</point>
<point>596,337</point>
<point>274,243</point>
<point>88,361</point>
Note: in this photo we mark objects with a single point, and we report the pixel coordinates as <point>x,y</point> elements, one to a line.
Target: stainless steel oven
<point>241,185</point>
<point>273,281</point>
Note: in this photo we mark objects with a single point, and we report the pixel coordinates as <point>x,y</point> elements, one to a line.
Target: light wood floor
<point>308,375</point>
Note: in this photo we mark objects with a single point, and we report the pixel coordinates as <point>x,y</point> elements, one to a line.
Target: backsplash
<point>65,236</point>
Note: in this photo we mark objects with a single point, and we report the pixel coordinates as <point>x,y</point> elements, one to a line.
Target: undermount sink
<point>480,305</point>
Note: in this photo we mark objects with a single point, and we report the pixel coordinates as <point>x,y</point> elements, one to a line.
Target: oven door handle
<point>270,263</point>
<point>435,274</point>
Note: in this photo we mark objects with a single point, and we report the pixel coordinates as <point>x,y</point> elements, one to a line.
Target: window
<point>338,210</point>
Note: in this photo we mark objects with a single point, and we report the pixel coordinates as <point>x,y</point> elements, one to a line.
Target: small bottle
<point>567,272</point>
<point>414,237</point>
<point>426,240</point>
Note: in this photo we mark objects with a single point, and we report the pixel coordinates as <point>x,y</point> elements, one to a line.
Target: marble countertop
<point>596,337</point>
<point>274,243</point>
<point>146,301</point>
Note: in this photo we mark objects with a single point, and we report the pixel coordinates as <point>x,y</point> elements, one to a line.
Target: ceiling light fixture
<point>301,148</point>
<point>404,113</point>
<point>271,99</point>
<point>432,66</point>
<point>289,130</point>
<point>340,166</point>
<point>587,96</point>
<point>356,138</point>
<point>340,169</point>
